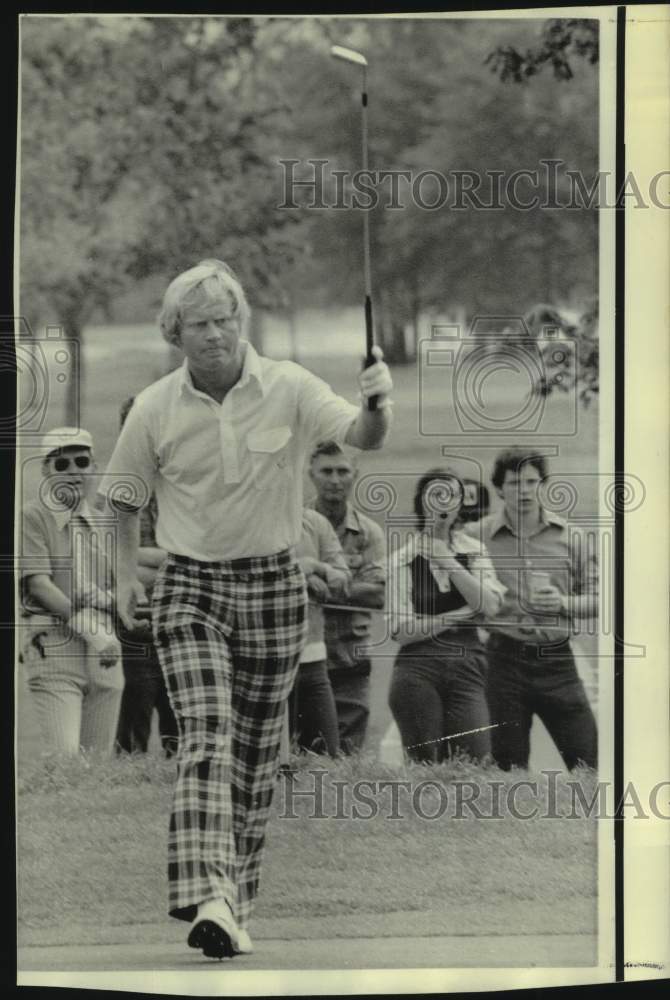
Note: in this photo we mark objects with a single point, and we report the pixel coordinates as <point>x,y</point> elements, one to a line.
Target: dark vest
<point>426,595</point>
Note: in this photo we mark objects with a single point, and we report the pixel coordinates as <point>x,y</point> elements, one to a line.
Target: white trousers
<point>76,701</point>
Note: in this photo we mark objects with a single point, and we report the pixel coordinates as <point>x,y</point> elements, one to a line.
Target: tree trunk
<point>74,375</point>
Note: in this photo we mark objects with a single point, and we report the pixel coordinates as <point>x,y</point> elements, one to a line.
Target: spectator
<point>145,688</point>
<point>71,655</point>
<point>333,474</point>
<point>313,712</point>
<point>549,584</point>
<point>475,504</point>
<point>440,584</point>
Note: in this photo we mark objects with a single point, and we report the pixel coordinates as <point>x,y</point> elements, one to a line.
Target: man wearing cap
<point>70,651</point>
<point>222,442</point>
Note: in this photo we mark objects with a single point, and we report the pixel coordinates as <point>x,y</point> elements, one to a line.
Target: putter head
<point>348,55</point>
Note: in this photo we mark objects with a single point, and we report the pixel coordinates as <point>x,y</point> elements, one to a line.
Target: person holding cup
<point>551,583</point>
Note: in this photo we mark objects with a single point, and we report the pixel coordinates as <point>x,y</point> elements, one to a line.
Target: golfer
<point>222,442</point>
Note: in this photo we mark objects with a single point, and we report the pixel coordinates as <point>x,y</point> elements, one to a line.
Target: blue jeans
<point>438,698</point>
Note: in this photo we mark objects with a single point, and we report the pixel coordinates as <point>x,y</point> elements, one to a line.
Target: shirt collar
<point>251,369</point>
<point>63,515</point>
<point>501,520</point>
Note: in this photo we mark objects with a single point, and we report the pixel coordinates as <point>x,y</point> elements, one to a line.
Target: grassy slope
<point>92,837</point>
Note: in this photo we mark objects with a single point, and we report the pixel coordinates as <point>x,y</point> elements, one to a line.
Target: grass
<point>92,844</point>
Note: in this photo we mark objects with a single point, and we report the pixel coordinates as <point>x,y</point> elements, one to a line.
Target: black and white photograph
<point>319,335</point>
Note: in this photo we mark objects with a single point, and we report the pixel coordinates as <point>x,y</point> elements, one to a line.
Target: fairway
<point>384,869</point>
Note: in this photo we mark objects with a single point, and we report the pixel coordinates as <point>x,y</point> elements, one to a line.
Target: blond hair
<point>209,281</point>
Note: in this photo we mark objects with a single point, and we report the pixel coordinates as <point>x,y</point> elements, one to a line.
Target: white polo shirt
<point>227,476</point>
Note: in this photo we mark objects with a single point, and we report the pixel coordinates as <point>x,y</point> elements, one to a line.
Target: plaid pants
<point>229,637</point>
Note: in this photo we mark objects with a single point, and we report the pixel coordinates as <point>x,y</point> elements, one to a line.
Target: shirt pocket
<point>270,452</point>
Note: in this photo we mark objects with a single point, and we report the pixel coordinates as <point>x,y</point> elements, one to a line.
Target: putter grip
<point>372,401</point>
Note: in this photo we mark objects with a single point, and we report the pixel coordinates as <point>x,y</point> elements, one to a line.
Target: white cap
<point>65,437</point>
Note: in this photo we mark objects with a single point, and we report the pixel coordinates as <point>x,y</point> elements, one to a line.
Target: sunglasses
<point>62,464</point>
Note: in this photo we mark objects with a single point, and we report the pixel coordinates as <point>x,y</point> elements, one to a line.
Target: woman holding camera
<point>441,586</point>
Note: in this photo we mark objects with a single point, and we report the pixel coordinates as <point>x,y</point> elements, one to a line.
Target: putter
<point>351,56</point>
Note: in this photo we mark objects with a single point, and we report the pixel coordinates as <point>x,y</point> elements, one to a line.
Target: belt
<point>248,564</point>
<point>450,637</point>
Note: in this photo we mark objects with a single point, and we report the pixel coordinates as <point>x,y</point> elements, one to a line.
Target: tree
<point>163,139</point>
<point>145,146</point>
<point>435,107</point>
<point>561,39</point>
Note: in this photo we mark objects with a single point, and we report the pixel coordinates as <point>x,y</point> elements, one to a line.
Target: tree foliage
<point>148,143</point>
<point>561,39</point>
<point>144,147</point>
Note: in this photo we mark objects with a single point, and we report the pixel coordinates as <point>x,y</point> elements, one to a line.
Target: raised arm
<point>324,415</point>
<point>370,428</point>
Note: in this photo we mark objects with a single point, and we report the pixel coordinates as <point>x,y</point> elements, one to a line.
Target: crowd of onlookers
<point>482,605</point>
